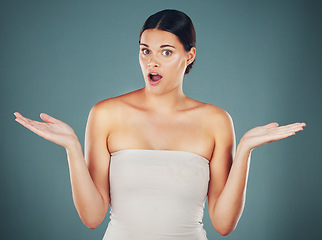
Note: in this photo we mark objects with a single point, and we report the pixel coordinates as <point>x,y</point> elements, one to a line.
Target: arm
<point>89,175</point>
<point>89,181</point>
<point>227,198</point>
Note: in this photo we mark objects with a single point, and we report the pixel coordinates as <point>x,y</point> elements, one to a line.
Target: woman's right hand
<point>52,129</point>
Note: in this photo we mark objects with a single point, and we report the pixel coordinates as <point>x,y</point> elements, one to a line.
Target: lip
<point>154,82</point>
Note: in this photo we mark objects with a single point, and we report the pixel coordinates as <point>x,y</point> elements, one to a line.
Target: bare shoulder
<point>212,112</point>
<point>218,114</point>
<point>109,112</point>
<point>218,120</point>
<point>116,104</point>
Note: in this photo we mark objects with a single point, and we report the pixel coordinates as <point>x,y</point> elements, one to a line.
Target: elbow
<point>91,222</point>
<point>224,231</point>
<point>91,226</point>
<point>91,218</point>
<point>224,228</point>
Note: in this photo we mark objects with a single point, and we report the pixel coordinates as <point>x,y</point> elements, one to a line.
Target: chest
<point>184,131</point>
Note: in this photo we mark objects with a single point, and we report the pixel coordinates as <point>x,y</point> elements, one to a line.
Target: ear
<point>191,55</point>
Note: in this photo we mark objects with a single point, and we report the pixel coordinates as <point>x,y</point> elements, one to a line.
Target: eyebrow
<point>162,46</point>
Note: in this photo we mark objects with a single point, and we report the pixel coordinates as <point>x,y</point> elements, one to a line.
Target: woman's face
<point>163,55</point>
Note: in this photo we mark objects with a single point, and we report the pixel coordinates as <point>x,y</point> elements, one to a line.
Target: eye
<point>145,51</point>
<point>166,52</point>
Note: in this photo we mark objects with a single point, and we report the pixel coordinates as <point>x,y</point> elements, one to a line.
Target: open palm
<point>52,129</point>
<point>268,133</point>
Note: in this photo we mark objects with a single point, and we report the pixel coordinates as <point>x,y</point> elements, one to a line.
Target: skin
<point>162,117</point>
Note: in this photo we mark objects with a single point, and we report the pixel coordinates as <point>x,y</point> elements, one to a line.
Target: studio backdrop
<point>258,60</point>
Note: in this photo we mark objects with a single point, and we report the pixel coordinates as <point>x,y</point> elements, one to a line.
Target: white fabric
<point>157,194</point>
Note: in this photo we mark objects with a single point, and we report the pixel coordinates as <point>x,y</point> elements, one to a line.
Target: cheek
<point>176,63</point>
<point>142,62</point>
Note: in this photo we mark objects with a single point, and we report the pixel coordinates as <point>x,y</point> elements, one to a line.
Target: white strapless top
<point>157,195</point>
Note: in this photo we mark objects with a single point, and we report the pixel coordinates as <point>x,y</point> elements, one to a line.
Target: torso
<point>133,126</point>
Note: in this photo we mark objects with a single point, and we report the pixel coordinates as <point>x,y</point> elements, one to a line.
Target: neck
<point>164,102</point>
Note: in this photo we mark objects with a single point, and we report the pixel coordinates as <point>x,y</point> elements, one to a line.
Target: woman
<point>155,154</point>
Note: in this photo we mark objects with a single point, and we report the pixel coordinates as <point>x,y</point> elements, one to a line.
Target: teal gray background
<point>258,60</point>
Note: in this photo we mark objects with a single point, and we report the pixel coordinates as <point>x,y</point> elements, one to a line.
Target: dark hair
<point>177,23</point>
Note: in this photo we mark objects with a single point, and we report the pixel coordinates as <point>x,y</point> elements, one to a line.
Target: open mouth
<point>154,77</point>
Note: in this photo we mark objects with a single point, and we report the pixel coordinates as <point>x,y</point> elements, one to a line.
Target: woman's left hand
<point>268,133</point>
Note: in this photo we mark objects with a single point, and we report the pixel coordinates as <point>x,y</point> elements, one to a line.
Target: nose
<point>152,62</point>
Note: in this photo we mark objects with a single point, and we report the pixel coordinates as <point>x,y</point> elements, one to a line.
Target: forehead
<point>156,38</point>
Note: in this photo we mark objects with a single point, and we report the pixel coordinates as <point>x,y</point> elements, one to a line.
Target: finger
<point>31,126</point>
<point>18,115</point>
<point>271,125</point>
<point>292,131</point>
<point>285,133</point>
<point>27,120</point>
<point>293,124</point>
<point>279,136</point>
<point>30,122</point>
<point>292,127</point>
<point>48,118</point>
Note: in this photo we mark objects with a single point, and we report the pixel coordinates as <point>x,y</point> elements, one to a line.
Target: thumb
<point>48,118</point>
<point>271,125</point>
